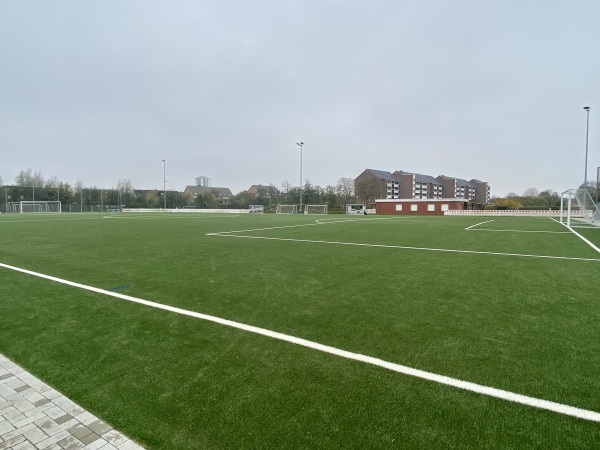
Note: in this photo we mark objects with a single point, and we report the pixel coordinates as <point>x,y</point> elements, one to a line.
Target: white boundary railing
<point>186,210</point>
<point>509,213</point>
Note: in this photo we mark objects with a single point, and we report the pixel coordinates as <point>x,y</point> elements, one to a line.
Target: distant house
<point>223,195</point>
<point>258,190</point>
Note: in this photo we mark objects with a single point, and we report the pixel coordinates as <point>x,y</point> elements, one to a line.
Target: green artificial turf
<point>518,323</point>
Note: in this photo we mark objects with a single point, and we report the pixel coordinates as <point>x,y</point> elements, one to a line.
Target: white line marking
<point>522,255</point>
<point>300,225</point>
<point>520,231</point>
<point>588,242</point>
<point>477,224</point>
<point>399,368</point>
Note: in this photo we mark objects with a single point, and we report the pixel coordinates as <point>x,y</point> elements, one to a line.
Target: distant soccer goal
<point>315,209</point>
<point>356,208</point>
<point>577,209</point>
<point>286,209</point>
<point>256,209</point>
<point>25,207</point>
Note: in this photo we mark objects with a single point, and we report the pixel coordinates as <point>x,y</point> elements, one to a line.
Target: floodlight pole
<point>587,133</point>
<point>597,184</point>
<point>300,144</point>
<point>164,183</point>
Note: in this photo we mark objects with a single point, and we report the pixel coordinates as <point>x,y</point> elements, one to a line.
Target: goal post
<point>315,209</point>
<point>256,209</point>
<point>30,206</point>
<point>356,208</point>
<point>577,208</point>
<point>286,209</point>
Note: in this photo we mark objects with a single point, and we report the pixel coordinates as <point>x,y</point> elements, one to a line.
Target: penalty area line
<point>399,368</point>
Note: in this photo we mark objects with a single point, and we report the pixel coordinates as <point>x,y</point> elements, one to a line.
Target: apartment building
<point>482,191</point>
<point>416,185</point>
<point>392,190</point>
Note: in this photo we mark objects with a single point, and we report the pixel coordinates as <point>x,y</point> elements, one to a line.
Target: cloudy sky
<point>104,90</point>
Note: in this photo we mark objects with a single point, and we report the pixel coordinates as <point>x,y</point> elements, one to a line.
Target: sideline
<point>405,370</point>
<point>588,242</point>
<point>402,247</point>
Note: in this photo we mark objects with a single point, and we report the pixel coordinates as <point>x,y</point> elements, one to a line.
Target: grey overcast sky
<point>490,89</point>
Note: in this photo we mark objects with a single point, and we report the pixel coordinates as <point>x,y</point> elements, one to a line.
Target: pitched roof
<point>459,181</point>
<point>221,192</point>
<point>420,177</point>
<point>383,175</point>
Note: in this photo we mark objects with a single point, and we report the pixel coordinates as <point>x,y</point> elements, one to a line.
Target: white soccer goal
<point>256,209</point>
<point>26,206</point>
<point>286,209</point>
<point>315,209</point>
<point>577,208</point>
<point>356,208</point>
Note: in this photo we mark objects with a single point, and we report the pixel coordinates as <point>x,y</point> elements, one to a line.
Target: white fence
<point>186,211</point>
<point>510,213</point>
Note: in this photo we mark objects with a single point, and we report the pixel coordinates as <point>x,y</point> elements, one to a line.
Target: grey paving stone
<point>70,443</point>
<point>114,437</point>
<point>9,443</point>
<point>96,444</point>
<point>79,430</point>
<point>62,419</point>
<point>53,439</point>
<point>99,427</point>
<point>25,445</point>
<point>35,435</point>
<point>42,401</point>
<point>33,415</point>
<point>5,427</point>
<point>129,445</point>
<point>30,419</point>
<point>14,416</point>
<point>90,438</point>
<point>17,432</point>
<point>86,418</point>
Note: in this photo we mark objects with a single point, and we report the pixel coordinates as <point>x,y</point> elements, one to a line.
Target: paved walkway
<point>33,416</point>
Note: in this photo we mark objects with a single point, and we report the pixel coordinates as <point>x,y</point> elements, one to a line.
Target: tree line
<point>533,198</point>
<point>32,186</point>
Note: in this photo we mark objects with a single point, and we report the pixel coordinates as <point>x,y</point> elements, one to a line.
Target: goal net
<point>577,209</point>
<point>256,209</point>
<point>315,209</point>
<point>24,207</point>
<point>356,208</point>
<point>286,209</point>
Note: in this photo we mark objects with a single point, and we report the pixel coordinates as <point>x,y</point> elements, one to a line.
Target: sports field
<point>277,331</point>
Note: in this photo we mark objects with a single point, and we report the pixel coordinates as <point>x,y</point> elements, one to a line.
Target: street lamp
<point>300,144</point>
<point>164,183</point>
<point>587,133</point>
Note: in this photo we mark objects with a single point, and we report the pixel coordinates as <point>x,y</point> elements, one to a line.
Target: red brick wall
<point>422,207</point>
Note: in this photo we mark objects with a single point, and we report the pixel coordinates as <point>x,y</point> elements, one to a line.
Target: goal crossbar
<point>34,206</point>
<point>286,209</point>
<point>315,209</point>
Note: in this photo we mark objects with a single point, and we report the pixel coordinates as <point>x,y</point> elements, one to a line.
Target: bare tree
<point>285,186</point>
<point>531,192</point>
<point>125,186</point>
<point>344,189</point>
<point>29,178</point>
<point>52,182</point>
